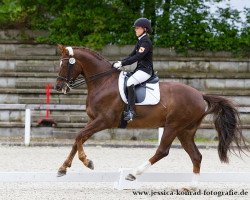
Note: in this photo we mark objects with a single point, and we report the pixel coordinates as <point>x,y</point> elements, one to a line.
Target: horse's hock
<point>26,68</point>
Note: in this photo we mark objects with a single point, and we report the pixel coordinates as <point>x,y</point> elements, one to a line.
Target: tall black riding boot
<point>129,115</point>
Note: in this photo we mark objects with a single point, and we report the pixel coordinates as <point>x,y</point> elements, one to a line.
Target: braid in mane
<point>93,53</point>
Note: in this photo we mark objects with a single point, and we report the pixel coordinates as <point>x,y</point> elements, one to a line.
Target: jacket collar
<point>142,36</point>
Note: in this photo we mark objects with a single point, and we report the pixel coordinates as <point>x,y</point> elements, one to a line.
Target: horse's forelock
<point>62,49</point>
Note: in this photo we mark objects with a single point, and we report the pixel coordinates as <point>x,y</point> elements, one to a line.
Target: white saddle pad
<point>152,92</point>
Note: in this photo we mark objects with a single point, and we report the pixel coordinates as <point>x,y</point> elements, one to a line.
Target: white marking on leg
<point>71,52</point>
<point>195,180</point>
<point>139,170</point>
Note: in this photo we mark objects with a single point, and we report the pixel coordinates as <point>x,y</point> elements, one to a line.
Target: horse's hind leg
<point>187,142</point>
<point>161,152</point>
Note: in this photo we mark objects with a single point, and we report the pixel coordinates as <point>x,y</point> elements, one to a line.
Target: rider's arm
<point>132,53</point>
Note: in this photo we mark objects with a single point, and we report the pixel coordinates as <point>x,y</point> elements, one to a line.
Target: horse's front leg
<point>93,127</point>
<point>67,163</point>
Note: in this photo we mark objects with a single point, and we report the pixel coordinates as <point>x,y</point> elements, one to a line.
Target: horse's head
<point>69,69</point>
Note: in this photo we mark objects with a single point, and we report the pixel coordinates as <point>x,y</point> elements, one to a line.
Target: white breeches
<point>137,78</point>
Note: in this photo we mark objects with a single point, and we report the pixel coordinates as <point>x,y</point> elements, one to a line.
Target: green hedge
<point>177,24</point>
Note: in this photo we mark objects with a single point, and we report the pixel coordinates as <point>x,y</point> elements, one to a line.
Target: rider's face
<point>139,31</point>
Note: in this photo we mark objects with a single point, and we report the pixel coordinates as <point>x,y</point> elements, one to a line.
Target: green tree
<point>89,23</point>
<point>178,24</point>
<point>11,14</point>
<point>150,12</point>
<point>226,31</point>
<point>183,25</point>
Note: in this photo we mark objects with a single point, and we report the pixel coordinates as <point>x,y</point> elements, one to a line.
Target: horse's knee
<point>74,147</point>
<point>78,138</point>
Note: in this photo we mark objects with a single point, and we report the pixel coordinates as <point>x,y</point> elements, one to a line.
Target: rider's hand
<point>117,65</point>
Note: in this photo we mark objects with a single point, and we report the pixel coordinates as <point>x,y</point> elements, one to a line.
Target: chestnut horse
<point>180,111</point>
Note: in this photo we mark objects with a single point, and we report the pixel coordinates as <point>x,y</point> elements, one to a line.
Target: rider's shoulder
<point>145,37</point>
<point>146,40</point>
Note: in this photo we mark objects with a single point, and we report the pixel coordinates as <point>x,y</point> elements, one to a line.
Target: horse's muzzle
<point>62,87</point>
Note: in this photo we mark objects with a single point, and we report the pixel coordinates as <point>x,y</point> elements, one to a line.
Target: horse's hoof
<point>130,177</point>
<point>90,165</point>
<point>189,189</point>
<point>61,173</point>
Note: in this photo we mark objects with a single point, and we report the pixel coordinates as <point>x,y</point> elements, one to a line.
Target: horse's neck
<point>93,64</point>
<point>96,70</point>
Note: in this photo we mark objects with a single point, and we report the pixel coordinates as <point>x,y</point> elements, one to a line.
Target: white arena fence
<point>118,178</point>
<point>28,107</point>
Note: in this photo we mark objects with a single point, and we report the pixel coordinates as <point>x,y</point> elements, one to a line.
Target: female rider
<point>142,54</point>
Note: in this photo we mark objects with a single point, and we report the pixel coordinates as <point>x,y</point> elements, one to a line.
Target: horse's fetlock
<point>62,169</point>
<point>82,157</point>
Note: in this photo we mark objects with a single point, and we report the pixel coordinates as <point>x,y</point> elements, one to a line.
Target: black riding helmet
<point>144,23</point>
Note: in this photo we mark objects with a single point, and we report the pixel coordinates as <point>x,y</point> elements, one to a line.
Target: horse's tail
<point>227,124</point>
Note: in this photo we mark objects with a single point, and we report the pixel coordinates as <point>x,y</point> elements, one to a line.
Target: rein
<point>81,81</point>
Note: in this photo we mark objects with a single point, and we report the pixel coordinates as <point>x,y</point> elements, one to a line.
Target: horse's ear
<point>62,49</point>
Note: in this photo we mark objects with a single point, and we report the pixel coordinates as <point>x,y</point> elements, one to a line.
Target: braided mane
<point>93,53</point>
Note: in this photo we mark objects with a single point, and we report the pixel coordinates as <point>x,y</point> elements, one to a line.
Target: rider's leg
<point>130,111</point>
<point>137,78</point>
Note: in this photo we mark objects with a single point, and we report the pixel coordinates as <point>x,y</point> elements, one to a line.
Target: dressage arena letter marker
<point>122,183</point>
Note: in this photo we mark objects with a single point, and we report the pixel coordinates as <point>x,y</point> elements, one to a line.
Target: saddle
<point>146,93</point>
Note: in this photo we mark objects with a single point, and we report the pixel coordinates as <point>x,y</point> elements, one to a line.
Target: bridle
<point>71,83</point>
<point>71,64</point>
